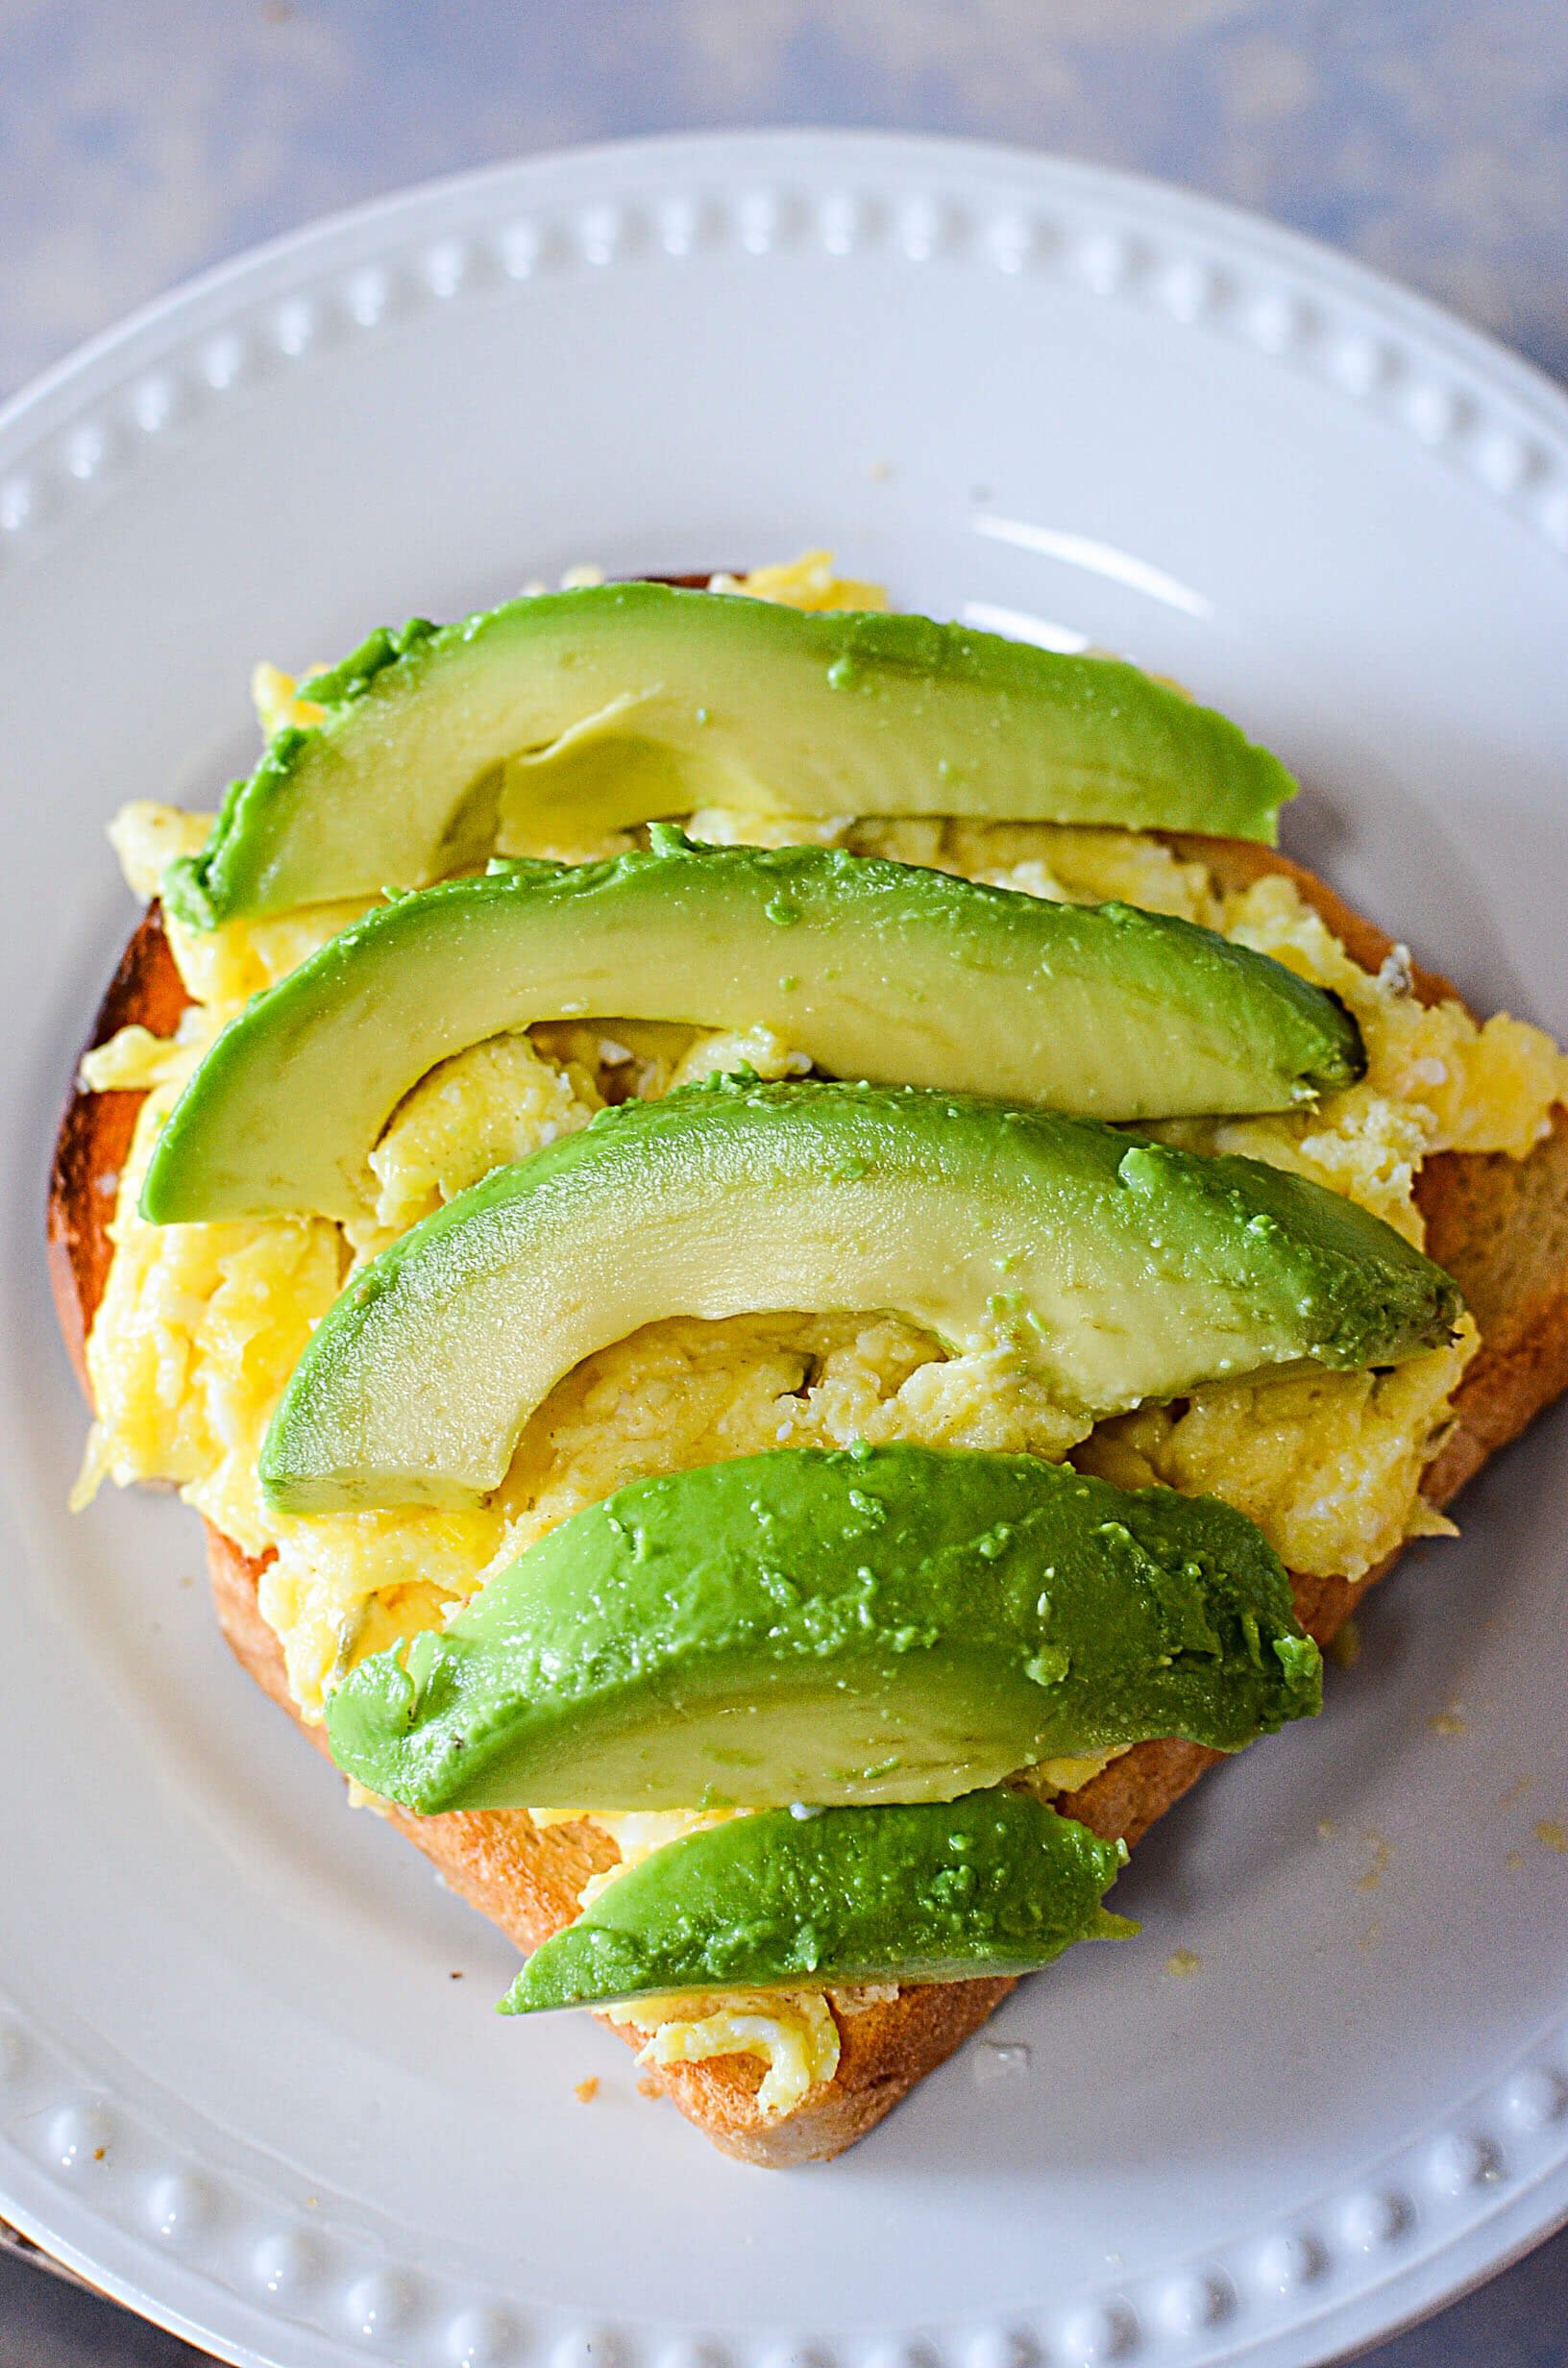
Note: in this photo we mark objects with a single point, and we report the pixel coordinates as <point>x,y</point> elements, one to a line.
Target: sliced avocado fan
<point>893,1623</point>
<point>1113,1270</point>
<point>872,969</point>
<point>587,711</point>
<point>942,1892</point>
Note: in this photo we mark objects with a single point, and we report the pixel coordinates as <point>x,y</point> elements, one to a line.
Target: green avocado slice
<point>874,969</point>
<point>893,1623</point>
<point>1112,1268</point>
<point>589,710</point>
<point>938,1892</point>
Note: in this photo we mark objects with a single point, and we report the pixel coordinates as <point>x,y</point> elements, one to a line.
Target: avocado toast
<point>1493,1217</point>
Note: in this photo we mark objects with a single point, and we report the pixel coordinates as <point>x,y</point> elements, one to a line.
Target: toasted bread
<point>1499,1224</point>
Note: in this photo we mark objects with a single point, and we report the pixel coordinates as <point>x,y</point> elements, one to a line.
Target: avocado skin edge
<point>1139,753</point>
<point>992,1883</point>
<point>892,1623</point>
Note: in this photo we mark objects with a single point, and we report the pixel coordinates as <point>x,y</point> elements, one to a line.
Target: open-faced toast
<point>1499,1224</point>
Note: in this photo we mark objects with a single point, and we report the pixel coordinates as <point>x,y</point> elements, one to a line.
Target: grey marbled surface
<point>140,140</point>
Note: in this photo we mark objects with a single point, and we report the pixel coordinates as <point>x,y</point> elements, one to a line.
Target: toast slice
<point>1499,1224</point>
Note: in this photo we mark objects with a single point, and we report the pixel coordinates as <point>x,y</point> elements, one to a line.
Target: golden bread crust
<point>1500,1225</point>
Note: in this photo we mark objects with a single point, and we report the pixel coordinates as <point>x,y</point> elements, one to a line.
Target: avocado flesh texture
<point>591,710</point>
<point>937,1891</point>
<point>895,1623</point>
<point>1113,1269</point>
<point>873,968</point>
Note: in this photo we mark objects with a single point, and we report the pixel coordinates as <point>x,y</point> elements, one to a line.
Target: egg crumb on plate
<point>200,1324</point>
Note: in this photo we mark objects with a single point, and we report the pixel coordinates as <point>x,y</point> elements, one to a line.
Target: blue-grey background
<point>140,140</point>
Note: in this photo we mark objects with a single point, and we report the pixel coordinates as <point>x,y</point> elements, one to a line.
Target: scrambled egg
<point>1328,1464</point>
<point>794,2033</point>
<point>1435,1081</point>
<point>200,1324</point>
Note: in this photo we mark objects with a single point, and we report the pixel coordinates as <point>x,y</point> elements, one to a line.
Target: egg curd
<point>201,1325</point>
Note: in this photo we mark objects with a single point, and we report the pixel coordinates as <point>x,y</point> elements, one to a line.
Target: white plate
<point>238,2083</point>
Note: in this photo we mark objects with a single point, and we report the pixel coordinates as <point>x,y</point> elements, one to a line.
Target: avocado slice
<point>593,710</point>
<point>893,1623</point>
<point>1116,1270</point>
<point>993,1884</point>
<point>876,970</point>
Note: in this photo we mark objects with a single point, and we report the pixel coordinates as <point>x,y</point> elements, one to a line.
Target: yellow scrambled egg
<point>200,1324</point>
